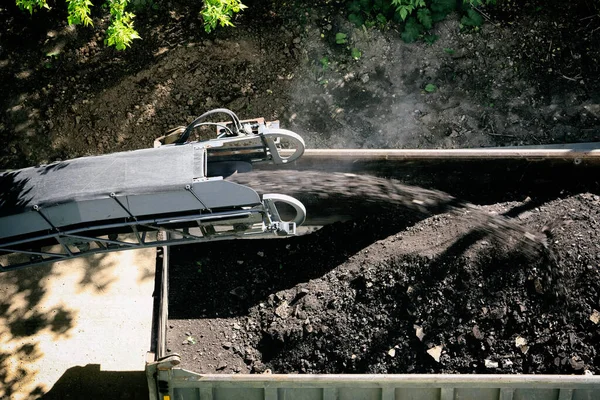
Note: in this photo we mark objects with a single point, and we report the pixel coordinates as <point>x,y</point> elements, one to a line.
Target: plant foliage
<point>79,12</point>
<point>341,38</point>
<point>415,16</point>
<point>32,5</point>
<point>121,32</point>
<point>430,88</point>
<point>472,18</point>
<point>220,12</point>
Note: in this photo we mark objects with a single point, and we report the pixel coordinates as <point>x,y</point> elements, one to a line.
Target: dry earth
<point>525,79</point>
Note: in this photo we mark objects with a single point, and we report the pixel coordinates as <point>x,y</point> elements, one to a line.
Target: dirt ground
<point>525,78</point>
<point>397,292</point>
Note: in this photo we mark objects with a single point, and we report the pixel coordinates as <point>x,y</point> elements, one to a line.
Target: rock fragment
<point>419,332</point>
<point>239,292</point>
<point>490,363</point>
<point>521,343</point>
<point>576,363</point>
<point>222,365</point>
<point>283,310</point>
<point>477,333</point>
<point>595,317</point>
<point>435,352</point>
<point>259,367</point>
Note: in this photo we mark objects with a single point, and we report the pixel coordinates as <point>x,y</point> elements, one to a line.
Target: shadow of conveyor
<point>90,383</point>
<point>224,279</point>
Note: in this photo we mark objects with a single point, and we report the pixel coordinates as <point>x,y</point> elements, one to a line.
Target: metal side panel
<point>185,385</point>
<point>61,215</point>
<point>17,224</point>
<point>221,193</point>
<point>159,203</point>
<point>83,211</point>
<point>202,195</point>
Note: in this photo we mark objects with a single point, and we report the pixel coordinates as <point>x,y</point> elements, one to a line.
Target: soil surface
<point>407,289</point>
<point>528,76</point>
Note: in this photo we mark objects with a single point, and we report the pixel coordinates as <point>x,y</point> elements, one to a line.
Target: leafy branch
<point>416,16</point>
<point>32,5</point>
<point>121,33</point>
<point>220,12</point>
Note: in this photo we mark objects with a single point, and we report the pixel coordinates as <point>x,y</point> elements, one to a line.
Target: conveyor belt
<point>126,200</point>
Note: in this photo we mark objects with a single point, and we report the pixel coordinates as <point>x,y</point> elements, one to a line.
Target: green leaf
<point>412,30</point>
<point>382,6</point>
<point>449,50</point>
<point>340,38</point>
<point>473,18</point>
<point>441,8</point>
<point>356,19</point>
<point>356,53</point>
<point>430,39</point>
<point>324,63</point>
<point>403,11</point>
<point>354,7</point>
<point>366,5</point>
<point>79,12</point>
<point>220,12</point>
<point>31,5</point>
<point>430,88</point>
<point>424,17</point>
<point>120,32</point>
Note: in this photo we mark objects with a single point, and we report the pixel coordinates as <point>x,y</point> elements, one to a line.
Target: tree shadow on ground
<point>90,382</point>
<point>25,316</point>
<point>18,381</point>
